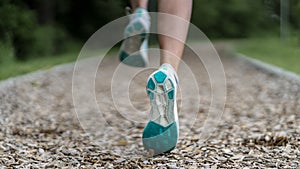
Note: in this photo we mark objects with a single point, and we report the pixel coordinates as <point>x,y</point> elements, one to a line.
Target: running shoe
<point>161,132</point>
<point>133,51</point>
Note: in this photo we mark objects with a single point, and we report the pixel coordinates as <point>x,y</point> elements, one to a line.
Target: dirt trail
<point>260,126</point>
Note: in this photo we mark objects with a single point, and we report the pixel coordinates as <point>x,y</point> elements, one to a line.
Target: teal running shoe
<point>133,51</point>
<point>162,131</point>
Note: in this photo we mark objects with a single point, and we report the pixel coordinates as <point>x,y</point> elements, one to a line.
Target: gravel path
<point>260,127</point>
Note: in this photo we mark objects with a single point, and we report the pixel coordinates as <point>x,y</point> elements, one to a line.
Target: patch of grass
<point>285,54</point>
<point>9,67</point>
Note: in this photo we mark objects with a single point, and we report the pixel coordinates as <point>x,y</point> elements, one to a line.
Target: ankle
<point>168,67</point>
<point>141,12</point>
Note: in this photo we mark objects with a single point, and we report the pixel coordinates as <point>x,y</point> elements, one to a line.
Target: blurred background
<point>37,34</point>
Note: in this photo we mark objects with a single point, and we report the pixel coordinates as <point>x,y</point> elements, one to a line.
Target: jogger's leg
<point>172,47</point>
<point>162,131</point>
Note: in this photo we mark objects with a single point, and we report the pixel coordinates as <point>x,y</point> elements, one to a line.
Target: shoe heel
<point>160,139</point>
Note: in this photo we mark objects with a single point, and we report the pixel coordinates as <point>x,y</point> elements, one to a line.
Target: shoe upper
<point>133,51</point>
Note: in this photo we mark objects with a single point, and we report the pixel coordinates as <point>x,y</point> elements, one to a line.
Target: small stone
<point>226,150</point>
<point>172,165</point>
<point>277,127</point>
<point>267,138</point>
<point>251,152</point>
<point>120,160</point>
<point>237,157</point>
<point>288,148</point>
<point>222,159</point>
<point>122,143</point>
<point>41,151</point>
<point>214,167</point>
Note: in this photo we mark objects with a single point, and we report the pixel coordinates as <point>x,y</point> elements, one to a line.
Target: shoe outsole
<point>135,60</point>
<point>136,56</point>
<point>157,137</point>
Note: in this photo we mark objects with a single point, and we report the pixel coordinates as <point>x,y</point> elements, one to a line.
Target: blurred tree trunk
<point>284,19</point>
<point>47,11</point>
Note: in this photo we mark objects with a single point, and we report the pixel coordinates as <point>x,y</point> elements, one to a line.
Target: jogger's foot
<point>161,132</point>
<point>133,51</point>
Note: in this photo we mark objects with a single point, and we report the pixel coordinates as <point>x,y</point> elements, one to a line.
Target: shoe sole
<point>133,49</point>
<point>161,132</point>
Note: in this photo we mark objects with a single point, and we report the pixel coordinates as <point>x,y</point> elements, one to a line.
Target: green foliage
<point>83,18</point>
<point>16,25</point>
<point>272,50</point>
<point>20,28</point>
<point>36,28</point>
<point>230,18</point>
<point>15,20</point>
<point>295,13</point>
<point>48,40</point>
<point>6,53</point>
<point>10,67</point>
